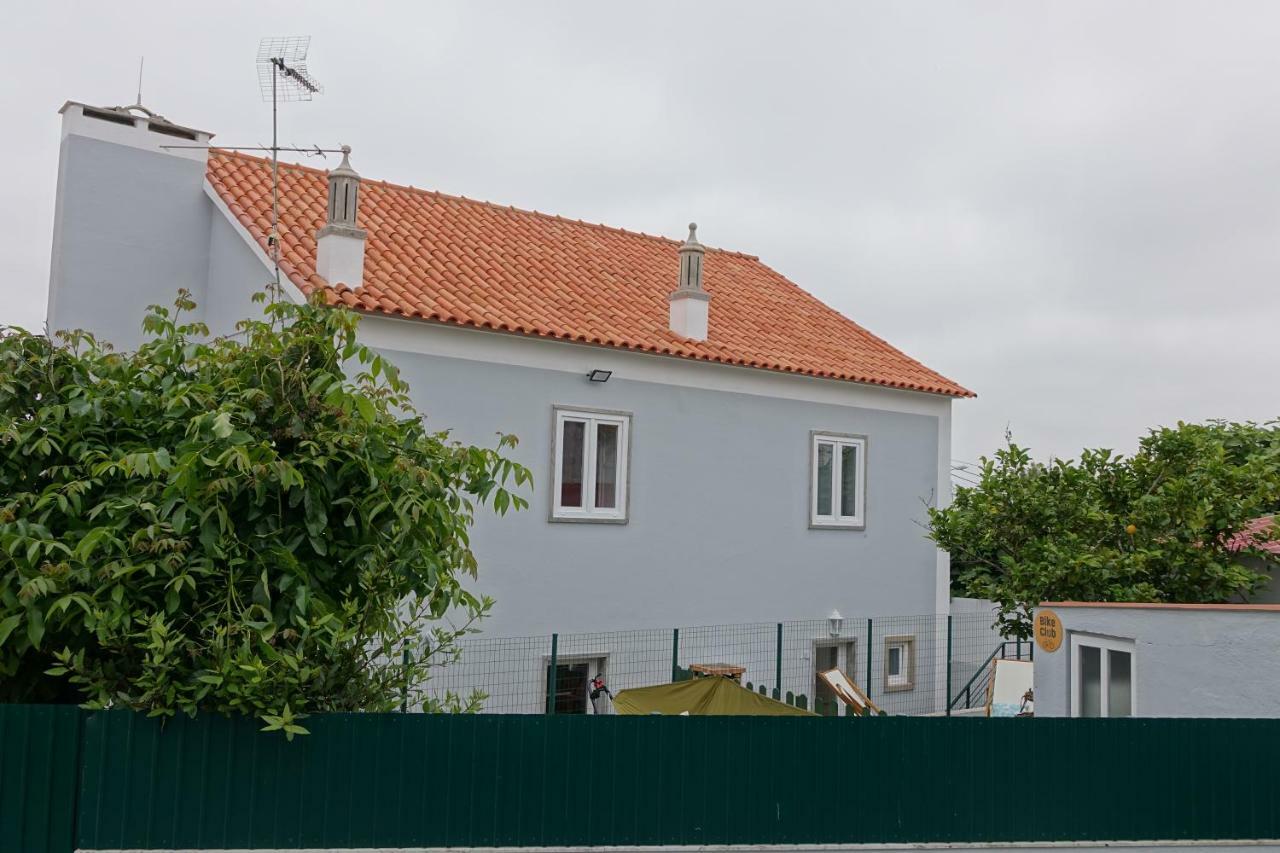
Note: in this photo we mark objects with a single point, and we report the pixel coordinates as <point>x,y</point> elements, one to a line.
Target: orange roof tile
<point>454,260</point>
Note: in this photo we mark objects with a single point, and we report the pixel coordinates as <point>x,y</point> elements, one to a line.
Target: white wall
<point>1189,661</point>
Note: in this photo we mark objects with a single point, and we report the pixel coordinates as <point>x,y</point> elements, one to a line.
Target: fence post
<point>948,697</point>
<point>868,658</point>
<point>675,654</point>
<point>777,690</point>
<point>404,687</point>
<point>551,675</point>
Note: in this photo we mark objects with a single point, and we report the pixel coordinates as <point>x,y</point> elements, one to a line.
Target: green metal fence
<point>414,780</point>
<point>39,762</point>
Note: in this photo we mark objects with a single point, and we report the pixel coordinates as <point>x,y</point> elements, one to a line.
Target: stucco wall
<point>719,497</point>
<point>131,227</point>
<point>234,276</point>
<point>1187,662</point>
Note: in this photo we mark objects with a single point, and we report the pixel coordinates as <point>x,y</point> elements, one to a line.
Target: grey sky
<point>1072,208</point>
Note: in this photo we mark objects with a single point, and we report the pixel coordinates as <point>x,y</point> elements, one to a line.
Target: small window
<point>838,479</point>
<point>590,466</point>
<point>1102,677</point>
<point>899,663</point>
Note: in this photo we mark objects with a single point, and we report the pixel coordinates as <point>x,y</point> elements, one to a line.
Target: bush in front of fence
<point>258,525</point>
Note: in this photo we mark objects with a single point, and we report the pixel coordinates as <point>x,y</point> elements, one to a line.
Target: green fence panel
<point>38,766</point>
<point>411,780</point>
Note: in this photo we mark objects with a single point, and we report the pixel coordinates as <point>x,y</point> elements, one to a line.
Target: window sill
<point>585,519</point>
<point>833,525</point>
<point>899,688</point>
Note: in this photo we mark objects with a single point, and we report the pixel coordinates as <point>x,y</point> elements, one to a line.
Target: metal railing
<point>977,684</point>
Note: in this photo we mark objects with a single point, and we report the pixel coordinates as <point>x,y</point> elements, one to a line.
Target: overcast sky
<point>1071,208</point>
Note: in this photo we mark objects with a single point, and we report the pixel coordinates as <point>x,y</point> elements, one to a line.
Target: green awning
<point>709,696</point>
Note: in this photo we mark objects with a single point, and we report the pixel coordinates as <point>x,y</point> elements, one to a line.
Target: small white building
<point>1159,660</point>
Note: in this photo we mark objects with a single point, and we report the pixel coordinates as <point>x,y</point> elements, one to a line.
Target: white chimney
<point>689,302</point>
<point>340,244</point>
<point>130,221</point>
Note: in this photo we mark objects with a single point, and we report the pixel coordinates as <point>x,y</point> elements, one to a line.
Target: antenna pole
<point>141,60</point>
<point>275,183</point>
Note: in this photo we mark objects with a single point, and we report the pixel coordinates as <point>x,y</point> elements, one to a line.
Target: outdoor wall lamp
<point>599,375</point>
<point>836,621</point>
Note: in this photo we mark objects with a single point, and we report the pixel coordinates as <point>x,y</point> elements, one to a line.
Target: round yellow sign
<point>1049,631</point>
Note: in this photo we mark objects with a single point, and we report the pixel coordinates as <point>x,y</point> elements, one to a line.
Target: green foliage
<point>1151,527</point>
<point>259,524</point>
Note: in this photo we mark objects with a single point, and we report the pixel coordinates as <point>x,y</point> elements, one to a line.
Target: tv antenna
<point>282,76</point>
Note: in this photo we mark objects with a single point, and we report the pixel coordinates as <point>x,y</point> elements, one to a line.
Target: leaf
<point>365,407</point>
<point>7,625</point>
<point>35,626</point>
<point>222,425</point>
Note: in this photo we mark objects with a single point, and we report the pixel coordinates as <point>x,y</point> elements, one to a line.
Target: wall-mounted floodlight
<point>599,375</point>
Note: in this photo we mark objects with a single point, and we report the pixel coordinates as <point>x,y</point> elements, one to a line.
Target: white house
<point>711,444</point>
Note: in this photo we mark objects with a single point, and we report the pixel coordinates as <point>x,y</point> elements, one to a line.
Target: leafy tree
<point>1151,527</point>
<point>258,524</point>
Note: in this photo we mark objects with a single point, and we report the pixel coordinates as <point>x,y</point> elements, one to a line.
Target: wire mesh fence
<point>915,665</point>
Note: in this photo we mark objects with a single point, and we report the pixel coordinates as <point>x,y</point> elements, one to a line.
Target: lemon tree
<point>1155,526</point>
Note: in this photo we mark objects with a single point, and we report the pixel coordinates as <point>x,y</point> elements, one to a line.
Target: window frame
<point>1104,645</point>
<point>588,512</point>
<point>836,521</point>
<point>907,679</point>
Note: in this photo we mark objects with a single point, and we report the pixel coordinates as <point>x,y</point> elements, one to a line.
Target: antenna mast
<point>282,76</point>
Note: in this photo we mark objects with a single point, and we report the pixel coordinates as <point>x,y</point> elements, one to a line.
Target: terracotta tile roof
<point>1258,534</point>
<point>455,260</point>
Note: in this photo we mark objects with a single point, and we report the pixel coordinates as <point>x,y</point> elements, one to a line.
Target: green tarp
<point>707,696</point>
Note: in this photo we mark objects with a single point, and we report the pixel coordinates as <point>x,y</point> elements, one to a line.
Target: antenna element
<point>282,76</point>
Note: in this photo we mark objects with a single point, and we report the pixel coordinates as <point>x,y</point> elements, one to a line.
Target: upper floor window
<point>590,463</point>
<point>838,479</point>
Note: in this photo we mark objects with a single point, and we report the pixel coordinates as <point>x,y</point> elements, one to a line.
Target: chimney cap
<point>344,168</point>
<point>692,239</point>
<point>126,115</point>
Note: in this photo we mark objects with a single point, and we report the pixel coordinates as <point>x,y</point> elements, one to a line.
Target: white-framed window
<point>899,663</point>
<point>838,481</point>
<point>590,463</point>
<point>1102,676</point>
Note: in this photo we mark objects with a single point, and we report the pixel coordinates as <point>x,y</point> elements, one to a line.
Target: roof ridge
<point>492,205</point>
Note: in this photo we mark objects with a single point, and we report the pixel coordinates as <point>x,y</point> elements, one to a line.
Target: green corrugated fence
<point>409,780</point>
<point>39,759</point>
